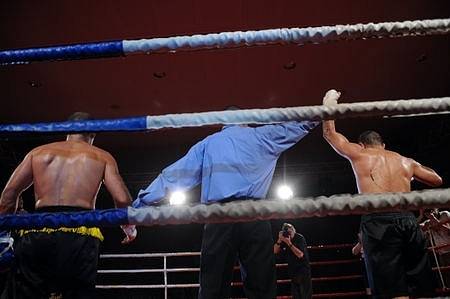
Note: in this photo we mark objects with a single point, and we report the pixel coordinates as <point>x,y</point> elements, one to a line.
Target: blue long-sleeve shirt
<point>238,161</point>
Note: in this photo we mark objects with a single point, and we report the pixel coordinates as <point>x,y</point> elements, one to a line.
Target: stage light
<point>177,198</point>
<point>285,192</point>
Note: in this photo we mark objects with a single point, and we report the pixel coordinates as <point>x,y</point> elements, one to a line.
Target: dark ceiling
<point>257,77</point>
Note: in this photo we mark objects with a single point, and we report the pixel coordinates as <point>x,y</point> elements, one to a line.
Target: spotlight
<point>284,192</point>
<point>177,198</point>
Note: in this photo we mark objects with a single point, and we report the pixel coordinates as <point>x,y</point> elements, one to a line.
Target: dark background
<point>256,77</point>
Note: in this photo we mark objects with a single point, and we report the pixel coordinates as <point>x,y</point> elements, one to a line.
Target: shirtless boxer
<point>394,245</point>
<point>66,176</point>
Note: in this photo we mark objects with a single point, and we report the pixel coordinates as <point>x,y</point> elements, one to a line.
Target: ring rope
<point>102,218</point>
<point>184,254</point>
<point>249,210</point>
<point>233,284</point>
<point>197,269</point>
<point>237,211</point>
<point>254,116</point>
<point>299,36</point>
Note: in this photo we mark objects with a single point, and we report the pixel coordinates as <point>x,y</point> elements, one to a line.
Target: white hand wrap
<point>331,97</point>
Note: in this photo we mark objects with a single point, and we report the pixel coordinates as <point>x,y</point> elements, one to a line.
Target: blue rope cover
<point>69,52</point>
<point>122,124</point>
<point>102,218</point>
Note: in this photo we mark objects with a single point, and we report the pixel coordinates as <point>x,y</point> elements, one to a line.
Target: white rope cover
<point>276,115</point>
<point>298,36</point>
<point>250,210</point>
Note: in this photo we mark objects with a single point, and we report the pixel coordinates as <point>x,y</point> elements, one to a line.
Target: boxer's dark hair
<point>81,116</point>
<point>232,108</point>
<point>370,138</point>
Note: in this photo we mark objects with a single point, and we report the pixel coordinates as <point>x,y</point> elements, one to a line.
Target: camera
<point>285,230</point>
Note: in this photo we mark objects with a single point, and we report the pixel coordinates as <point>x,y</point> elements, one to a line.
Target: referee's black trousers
<point>252,244</point>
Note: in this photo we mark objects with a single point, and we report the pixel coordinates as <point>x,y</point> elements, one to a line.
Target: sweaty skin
<point>376,169</point>
<point>67,173</point>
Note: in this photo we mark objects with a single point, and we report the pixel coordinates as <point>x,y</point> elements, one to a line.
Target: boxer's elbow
<point>437,181</point>
<point>8,200</point>
<point>432,180</point>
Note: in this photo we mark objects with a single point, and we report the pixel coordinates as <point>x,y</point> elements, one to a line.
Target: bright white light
<point>285,192</point>
<point>177,198</point>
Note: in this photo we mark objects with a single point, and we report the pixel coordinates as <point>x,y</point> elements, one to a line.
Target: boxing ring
<point>237,211</point>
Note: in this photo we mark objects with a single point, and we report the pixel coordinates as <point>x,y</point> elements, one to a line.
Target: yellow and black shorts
<point>82,230</point>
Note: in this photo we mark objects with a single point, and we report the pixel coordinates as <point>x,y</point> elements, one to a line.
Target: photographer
<point>437,228</point>
<point>292,245</point>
